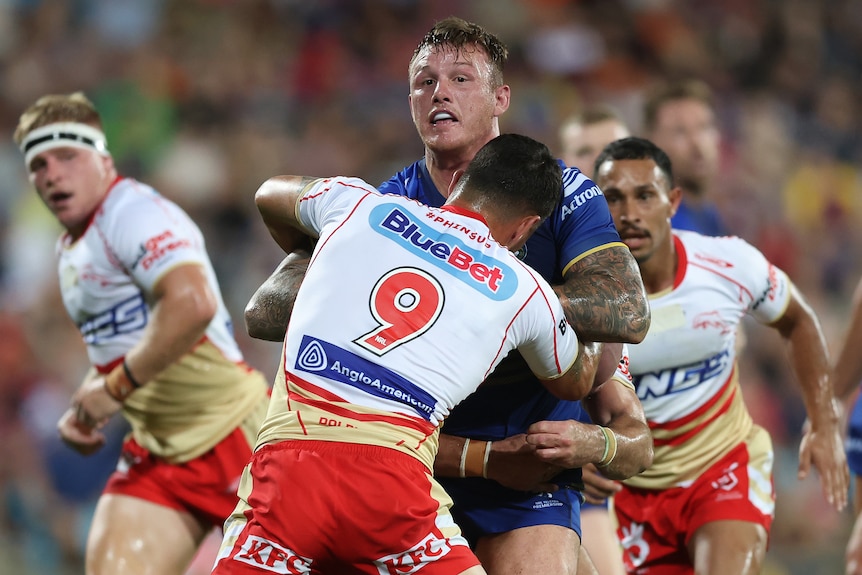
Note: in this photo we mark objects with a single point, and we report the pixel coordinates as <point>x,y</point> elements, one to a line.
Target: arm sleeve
<point>152,236</point>
<point>768,287</point>
<point>544,338</point>
<point>326,202</point>
<point>583,223</point>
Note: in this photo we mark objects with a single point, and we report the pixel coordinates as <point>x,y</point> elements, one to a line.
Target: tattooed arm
<point>604,297</point>
<point>269,309</point>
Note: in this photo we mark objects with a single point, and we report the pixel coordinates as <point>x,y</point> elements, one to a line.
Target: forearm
<point>276,201</point>
<point>604,297</point>
<point>448,455</point>
<point>178,321</point>
<point>268,311</point>
<point>634,446</point>
<point>806,348</point>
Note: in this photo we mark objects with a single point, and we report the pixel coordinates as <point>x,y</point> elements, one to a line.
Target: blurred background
<point>204,99</point>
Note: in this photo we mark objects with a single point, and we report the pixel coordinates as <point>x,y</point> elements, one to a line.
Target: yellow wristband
<point>610,447</point>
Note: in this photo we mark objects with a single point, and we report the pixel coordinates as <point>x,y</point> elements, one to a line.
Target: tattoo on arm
<point>604,297</point>
<point>269,309</point>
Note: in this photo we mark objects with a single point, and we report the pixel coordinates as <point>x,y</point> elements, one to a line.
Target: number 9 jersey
<point>404,311</point>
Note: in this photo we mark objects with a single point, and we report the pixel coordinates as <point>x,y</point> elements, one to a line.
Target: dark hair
<point>517,173</point>
<point>458,34</point>
<point>661,94</point>
<point>634,148</point>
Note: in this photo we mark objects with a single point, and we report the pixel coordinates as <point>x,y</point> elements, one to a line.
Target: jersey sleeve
<point>768,286</point>
<point>151,236</point>
<point>326,202</point>
<point>583,223</point>
<point>544,338</point>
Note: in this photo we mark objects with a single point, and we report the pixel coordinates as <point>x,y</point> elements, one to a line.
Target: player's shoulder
<point>579,194</point>
<point>405,179</point>
<point>725,252</point>
<point>129,198</point>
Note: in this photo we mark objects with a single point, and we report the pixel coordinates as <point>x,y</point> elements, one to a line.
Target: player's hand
<point>824,449</point>
<point>563,443</point>
<point>85,440</point>
<point>597,487</point>
<point>513,464</point>
<point>93,405</point>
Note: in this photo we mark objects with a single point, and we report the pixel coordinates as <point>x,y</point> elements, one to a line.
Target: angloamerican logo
<point>332,362</point>
<point>446,251</point>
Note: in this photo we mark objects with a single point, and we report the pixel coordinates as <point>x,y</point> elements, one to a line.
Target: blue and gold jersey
<point>512,398</point>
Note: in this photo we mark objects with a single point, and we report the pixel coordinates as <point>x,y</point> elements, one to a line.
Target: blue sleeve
<point>583,222</point>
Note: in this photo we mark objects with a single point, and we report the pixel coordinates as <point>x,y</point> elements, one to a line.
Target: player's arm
<point>821,444</point>
<point>512,461</point>
<point>183,306</point>
<point>848,362</point>
<point>268,310</point>
<point>622,449</point>
<point>276,200</point>
<point>604,297</point>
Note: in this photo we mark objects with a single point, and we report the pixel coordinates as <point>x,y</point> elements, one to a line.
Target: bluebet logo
<point>332,362</point>
<point>446,251</point>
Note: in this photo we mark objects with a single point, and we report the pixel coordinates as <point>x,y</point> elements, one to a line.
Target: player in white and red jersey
<point>404,311</point>
<point>706,504</point>
<point>137,281</point>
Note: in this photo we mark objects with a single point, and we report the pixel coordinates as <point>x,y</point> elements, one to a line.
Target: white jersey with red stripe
<point>404,311</point>
<point>685,370</point>
<point>107,278</point>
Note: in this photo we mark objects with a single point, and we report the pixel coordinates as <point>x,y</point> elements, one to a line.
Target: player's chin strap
<point>74,134</point>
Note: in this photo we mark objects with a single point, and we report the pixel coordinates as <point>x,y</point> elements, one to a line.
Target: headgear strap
<point>74,134</point>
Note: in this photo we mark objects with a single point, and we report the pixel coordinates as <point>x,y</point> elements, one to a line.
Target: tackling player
<point>404,311</point>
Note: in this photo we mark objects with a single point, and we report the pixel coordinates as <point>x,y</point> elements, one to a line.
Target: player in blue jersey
<point>456,97</point>
<point>848,375</point>
<point>680,118</point>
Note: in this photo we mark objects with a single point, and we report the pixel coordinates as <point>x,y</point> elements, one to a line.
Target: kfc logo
<point>269,556</point>
<point>429,549</point>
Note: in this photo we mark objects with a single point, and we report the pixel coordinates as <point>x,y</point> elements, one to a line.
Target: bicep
<point>185,288</point>
<point>604,296</point>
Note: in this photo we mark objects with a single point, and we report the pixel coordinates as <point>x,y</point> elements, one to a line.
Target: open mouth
<point>442,116</point>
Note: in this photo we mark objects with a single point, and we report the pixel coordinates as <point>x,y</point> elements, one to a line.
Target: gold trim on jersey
<point>297,412</point>
<point>592,251</point>
<point>195,403</point>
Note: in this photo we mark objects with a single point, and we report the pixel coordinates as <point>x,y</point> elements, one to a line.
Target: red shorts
<point>324,507</point>
<point>205,486</point>
<point>655,526</point>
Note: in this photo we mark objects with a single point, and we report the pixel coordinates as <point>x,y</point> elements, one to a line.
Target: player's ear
<point>522,231</point>
<point>675,197</point>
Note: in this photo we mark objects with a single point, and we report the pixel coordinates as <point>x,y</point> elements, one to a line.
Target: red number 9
<point>405,302</point>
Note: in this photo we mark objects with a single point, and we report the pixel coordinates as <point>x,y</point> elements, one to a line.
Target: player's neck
<point>659,271</point>
<point>442,167</point>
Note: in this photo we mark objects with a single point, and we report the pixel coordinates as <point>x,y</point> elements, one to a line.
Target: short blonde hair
<point>53,108</point>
